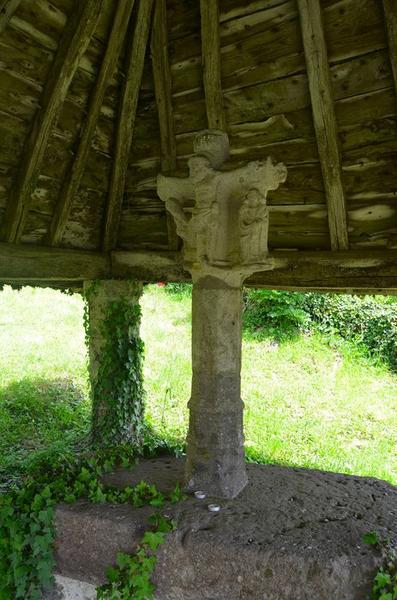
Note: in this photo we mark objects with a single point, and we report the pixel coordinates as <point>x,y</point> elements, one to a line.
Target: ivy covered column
<point>112,322</point>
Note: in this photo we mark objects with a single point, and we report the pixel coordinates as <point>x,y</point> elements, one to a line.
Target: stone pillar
<point>215,438</point>
<point>225,241</point>
<point>112,323</point>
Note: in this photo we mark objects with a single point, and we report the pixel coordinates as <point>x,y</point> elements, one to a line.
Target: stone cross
<point>225,241</point>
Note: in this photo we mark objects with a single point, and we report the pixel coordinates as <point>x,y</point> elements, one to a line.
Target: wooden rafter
<point>390,10</point>
<point>211,55</point>
<point>73,178</point>
<point>126,123</point>
<point>324,119</point>
<point>74,42</point>
<point>7,9</point>
<point>163,93</point>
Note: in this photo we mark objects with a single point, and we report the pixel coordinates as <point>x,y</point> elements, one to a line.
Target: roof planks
<point>73,44</point>
<point>73,178</point>
<point>211,57</point>
<point>324,119</point>
<point>126,122</point>
<point>163,93</point>
<point>7,9</point>
<point>390,10</point>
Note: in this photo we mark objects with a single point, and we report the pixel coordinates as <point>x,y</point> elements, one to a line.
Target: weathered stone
<point>225,241</point>
<point>292,534</point>
<point>90,535</point>
<point>67,588</point>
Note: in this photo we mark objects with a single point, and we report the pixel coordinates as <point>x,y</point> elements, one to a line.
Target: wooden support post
<point>126,122</point>
<point>74,42</point>
<point>212,64</point>
<point>72,180</point>
<point>324,119</point>
<point>7,9</point>
<point>390,10</point>
<point>163,93</point>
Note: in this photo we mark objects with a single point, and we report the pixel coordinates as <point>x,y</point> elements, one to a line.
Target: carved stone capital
<point>226,233</point>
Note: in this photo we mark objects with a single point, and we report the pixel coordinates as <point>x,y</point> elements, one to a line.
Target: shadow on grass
<point>37,416</point>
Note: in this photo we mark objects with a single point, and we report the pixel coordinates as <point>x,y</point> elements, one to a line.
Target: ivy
<point>117,385</point>
<point>131,577</point>
<point>385,581</point>
<point>27,529</point>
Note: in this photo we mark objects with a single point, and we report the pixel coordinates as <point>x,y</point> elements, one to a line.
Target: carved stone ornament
<point>227,229</point>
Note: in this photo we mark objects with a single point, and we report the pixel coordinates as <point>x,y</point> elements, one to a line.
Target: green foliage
<point>117,392</point>
<point>274,314</point>
<point>385,581</point>
<point>178,290</point>
<point>131,577</point>
<point>26,516</point>
<point>369,322</point>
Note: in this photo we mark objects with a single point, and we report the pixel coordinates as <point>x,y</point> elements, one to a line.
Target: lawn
<point>308,401</point>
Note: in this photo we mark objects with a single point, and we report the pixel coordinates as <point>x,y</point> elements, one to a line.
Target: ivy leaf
<point>153,539</point>
<point>371,538</point>
<point>382,579</point>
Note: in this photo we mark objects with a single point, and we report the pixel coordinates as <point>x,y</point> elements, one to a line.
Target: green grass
<point>308,401</point>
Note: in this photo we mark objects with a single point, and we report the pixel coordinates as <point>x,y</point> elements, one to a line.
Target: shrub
<point>276,314</point>
<point>369,321</point>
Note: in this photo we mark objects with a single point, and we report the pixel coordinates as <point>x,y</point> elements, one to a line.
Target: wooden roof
<point>98,96</point>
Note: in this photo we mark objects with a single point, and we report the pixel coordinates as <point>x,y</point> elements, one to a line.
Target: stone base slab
<point>292,534</point>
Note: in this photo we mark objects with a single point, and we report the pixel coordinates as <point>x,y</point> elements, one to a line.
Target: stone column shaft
<point>215,451</point>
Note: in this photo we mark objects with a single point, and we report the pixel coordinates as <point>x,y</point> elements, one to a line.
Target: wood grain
<point>390,10</point>
<point>324,119</point>
<point>73,44</point>
<point>7,9</point>
<point>125,124</point>
<point>73,178</point>
<point>163,93</point>
<point>211,57</point>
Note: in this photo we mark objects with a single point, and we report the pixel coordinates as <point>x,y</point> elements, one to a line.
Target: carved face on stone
<point>199,168</point>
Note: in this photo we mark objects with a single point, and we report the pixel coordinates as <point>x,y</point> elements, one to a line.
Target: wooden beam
<point>72,180</point>
<point>7,9</point>
<point>28,263</point>
<point>126,122</point>
<point>74,42</point>
<point>390,10</point>
<point>163,93</point>
<point>370,271</point>
<point>211,56</point>
<point>363,271</point>
<point>324,119</point>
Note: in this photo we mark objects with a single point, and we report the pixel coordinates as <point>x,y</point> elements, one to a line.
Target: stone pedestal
<point>225,241</point>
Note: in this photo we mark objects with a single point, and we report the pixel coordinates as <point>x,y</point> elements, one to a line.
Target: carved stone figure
<point>230,206</point>
<point>254,227</point>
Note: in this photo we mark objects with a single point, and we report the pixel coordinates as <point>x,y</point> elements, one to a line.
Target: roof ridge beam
<point>390,10</point>
<point>126,123</point>
<point>73,178</point>
<point>211,56</point>
<point>324,119</point>
<point>73,45</point>
<point>163,93</point>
